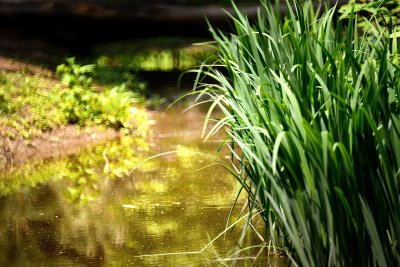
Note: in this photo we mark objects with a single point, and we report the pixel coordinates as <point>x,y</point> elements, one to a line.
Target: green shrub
<point>315,110</point>
<point>82,105</point>
<point>75,75</point>
<point>115,108</point>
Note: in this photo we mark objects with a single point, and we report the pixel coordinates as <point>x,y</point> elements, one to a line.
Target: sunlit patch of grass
<point>28,104</point>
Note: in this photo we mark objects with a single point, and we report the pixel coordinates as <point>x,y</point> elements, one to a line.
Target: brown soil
<point>12,65</point>
<point>58,143</point>
<point>65,140</point>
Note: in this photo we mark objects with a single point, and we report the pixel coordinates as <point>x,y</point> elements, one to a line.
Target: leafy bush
<point>315,111</point>
<point>75,75</point>
<point>115,108</point>
<point>81,105</point>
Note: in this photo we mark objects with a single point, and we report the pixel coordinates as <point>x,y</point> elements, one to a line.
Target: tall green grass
<point>314,106</point>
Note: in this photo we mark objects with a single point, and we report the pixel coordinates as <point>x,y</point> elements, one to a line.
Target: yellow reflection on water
<point>85,209</point>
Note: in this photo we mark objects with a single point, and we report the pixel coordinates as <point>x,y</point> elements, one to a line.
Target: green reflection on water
<point>85,172</point>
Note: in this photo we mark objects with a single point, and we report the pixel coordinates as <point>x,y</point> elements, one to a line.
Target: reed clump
<point>313,103</point>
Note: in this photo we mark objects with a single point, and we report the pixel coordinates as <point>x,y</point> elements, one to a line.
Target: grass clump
<point>314,107</point>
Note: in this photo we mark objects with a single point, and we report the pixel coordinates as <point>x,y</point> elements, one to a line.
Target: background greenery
<point>33,103</point>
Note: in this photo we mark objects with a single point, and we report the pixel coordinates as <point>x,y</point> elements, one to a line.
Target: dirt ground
<point>58,143</point>
<point>12,65</point>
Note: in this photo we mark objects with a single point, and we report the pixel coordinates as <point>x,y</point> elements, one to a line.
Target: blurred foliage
<point>28,104</point>
<point>75,75</point>
<point>180,2</point>
<point>32,103</point>
<point>385,12</point>
<point>153,54</point>
<point>126,62</point>
<point>82,105</point>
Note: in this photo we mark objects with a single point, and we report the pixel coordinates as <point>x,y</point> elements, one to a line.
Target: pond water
<point>84,210</point>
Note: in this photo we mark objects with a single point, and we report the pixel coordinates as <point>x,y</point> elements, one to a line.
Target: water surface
<point>85,210</point>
